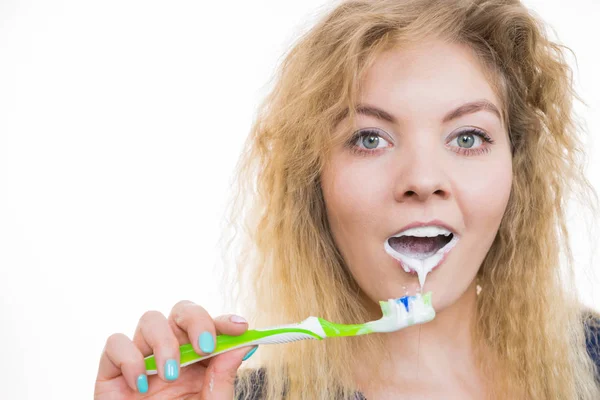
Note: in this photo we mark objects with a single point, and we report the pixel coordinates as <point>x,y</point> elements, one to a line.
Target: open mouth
<point>421,249</point>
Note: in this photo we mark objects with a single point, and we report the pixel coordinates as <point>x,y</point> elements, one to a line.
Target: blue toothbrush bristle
<point>403,300</point>
<point>406,300</point>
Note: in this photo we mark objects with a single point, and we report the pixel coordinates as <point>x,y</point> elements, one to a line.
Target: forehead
<point>426,79</point>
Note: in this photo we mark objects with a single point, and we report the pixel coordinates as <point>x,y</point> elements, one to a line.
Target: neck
<point>439,352</point>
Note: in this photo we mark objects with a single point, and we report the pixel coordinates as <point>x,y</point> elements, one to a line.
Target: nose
<point>421,176</point>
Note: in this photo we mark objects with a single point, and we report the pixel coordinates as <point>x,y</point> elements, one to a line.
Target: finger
<point>230,324</point>
<point>154,335</point>
<point>219,380</point>
<point>122,357</point>
<point>193,325</point>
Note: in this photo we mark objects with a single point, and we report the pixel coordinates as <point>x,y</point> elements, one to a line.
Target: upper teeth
<point>424,231</point>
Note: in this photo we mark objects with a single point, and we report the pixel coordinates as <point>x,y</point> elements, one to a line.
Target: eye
<point>470,139</point>
<point>467,140</point>
<point>368,139</point>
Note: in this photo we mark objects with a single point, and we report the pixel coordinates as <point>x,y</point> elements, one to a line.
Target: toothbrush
<point>397,314</point>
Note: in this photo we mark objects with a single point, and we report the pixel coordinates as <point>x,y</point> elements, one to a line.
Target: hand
<point>121,373</point>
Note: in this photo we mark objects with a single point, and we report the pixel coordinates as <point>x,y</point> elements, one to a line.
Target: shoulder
<point>592,338</point>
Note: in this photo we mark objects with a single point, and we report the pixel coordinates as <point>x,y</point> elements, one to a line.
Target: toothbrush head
<point>405,311</point>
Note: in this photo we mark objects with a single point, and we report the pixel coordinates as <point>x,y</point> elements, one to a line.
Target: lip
<point>435,222</point>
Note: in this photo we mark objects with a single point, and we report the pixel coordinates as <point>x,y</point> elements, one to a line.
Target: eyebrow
<point>467,108</point>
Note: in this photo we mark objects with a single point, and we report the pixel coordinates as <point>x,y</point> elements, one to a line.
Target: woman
<point>386,115</point>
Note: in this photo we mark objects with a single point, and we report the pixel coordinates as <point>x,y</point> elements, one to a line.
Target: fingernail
<point>207,344</point>
<point>237,319</point>
<point>171,370</point>
<point>249,354</point>
<point>142,383</point>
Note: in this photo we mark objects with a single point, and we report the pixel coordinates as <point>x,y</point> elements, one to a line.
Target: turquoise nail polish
<point>249,354</point>
<point>142,383</point>
<point>206,342</point>
<point>171,370</point>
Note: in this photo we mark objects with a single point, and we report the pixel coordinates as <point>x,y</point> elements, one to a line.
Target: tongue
<point>420,247</point>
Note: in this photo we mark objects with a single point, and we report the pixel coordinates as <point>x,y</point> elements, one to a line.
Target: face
<point>424,158</point>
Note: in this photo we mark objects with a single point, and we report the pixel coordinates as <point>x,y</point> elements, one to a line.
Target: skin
<point>413,172</point>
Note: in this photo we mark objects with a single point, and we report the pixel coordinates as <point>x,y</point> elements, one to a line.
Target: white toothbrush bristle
<point>404,312</point>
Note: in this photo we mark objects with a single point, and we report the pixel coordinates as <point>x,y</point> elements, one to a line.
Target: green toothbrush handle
<point>226,343</point>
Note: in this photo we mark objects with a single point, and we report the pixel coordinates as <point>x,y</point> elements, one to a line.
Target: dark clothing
<point>592,340</point>
<point>592,331</point>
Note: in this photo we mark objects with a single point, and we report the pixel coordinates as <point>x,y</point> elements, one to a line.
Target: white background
<point>120,123</point>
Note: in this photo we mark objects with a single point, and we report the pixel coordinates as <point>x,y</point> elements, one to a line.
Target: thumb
<point>221,372</point>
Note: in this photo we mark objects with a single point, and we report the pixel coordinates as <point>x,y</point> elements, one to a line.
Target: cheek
<point>483,194</point>
<point>353,195</point>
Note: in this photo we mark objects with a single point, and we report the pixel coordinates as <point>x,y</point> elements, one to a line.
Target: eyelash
<point>460,150</point>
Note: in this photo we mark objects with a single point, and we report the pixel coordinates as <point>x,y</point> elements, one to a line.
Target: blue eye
<point>470,141</point>
<point>368,139</point>
<point>471,138</point>
<point>371,141</point>
<point>466,140</point>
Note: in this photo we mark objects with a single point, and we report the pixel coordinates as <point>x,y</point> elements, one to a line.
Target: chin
<point>446,295</point>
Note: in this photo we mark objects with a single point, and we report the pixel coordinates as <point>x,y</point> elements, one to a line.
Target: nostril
<point>442,193</point>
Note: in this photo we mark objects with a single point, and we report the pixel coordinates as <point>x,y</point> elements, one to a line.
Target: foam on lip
<point>421,266</point>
